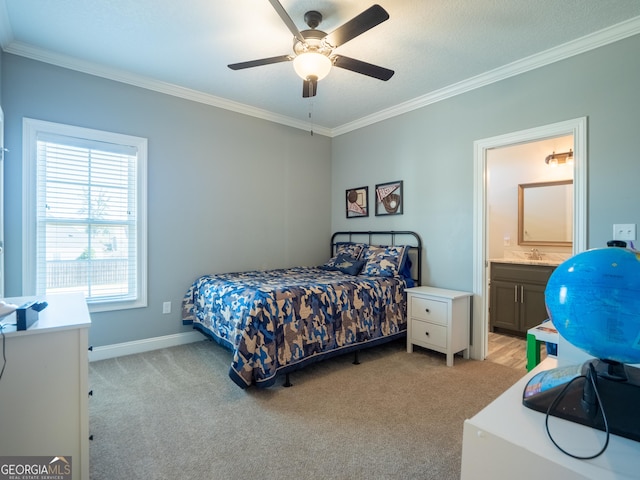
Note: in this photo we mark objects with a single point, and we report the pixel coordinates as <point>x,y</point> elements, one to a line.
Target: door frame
<point>576,127</point>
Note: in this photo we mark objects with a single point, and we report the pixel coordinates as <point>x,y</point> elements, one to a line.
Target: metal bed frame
<point>386,237</point>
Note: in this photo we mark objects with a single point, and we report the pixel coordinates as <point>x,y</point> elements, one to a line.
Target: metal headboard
<point>387,237</point>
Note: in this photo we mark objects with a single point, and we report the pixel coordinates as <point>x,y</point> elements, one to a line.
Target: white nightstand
<point>438,319</point>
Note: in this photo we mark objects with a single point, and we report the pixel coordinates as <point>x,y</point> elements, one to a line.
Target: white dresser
<point>438,319</point>
<point>44,391</point>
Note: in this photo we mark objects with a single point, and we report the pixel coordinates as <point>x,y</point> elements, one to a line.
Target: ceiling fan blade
<point>262,61</point>
<point>309,87</point>
<point>359,24</point>
<point>286,19</point>
<point>364,68</point>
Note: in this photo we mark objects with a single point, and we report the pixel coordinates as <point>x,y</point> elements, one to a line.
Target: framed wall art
<point>357,202</point>
<point>389,198</point>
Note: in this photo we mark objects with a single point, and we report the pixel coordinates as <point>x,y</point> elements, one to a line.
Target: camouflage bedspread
<point>278,320</point>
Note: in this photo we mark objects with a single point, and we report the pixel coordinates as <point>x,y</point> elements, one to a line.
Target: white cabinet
<point>44,391</point>
<point>438,319</point>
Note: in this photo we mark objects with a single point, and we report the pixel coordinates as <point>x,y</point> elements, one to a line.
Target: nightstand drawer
<point>424,332</point>
<point>429,310</point>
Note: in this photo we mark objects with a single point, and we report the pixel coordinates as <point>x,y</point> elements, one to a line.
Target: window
<point>84,214</point>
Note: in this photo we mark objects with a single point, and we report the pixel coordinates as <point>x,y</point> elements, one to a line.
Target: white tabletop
<point>508,418</point>
<point>64,311</point>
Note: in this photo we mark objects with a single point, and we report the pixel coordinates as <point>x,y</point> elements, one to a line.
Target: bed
<point>278,321</point>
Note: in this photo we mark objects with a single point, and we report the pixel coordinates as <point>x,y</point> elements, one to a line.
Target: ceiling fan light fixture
<point>312,64</point>
<point>313,49</point>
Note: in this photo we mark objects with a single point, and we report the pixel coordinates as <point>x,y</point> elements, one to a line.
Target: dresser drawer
<point>429,310</point>
<point>425,332</point>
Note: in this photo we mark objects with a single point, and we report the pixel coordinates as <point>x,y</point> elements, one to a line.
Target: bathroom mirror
<point>545,213</point>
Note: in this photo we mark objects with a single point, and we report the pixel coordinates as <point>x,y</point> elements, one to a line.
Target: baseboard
<point>139,346</point>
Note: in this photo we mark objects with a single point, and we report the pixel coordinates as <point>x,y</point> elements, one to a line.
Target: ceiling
<point>437,48</point>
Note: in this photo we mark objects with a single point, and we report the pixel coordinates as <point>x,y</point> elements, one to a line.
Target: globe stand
<point>615,371</point>
<point>618,386</point>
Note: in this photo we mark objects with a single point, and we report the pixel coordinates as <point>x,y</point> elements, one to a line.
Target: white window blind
<point>88,222</point>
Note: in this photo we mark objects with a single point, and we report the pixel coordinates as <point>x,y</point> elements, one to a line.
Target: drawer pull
<point>427,310</point>
<point>426,333</point>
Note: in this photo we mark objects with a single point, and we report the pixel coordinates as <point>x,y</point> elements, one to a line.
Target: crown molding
<point>121,76</point>
<point>589,42</point>
<point>597,39</point>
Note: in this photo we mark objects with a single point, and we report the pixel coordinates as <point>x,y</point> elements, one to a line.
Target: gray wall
<point>226,192</point>
<point>266,187</point>
<point>431,150</point>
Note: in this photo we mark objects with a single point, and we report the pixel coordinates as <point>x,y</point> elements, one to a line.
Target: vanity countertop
<point>526,261</point>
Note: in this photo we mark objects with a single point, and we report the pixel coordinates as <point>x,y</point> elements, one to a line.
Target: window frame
<point>32,128</point>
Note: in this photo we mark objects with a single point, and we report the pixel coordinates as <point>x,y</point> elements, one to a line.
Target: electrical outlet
<point>624,231</point>
<point>166,307</point>
<point>507,241</point>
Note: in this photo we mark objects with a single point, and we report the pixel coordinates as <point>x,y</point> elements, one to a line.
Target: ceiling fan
<point>313,49</point>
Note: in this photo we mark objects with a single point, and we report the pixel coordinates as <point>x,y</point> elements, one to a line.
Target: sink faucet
<point>535,254</point>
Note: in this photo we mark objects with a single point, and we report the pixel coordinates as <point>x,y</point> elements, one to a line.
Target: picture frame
<point>389,198</point>
<point>357,202</point>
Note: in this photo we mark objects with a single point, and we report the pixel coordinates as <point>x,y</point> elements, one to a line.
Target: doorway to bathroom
<point>529,228</point>
<point>497,232</point>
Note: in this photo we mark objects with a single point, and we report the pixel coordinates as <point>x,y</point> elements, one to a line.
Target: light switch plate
<point>624,231</point>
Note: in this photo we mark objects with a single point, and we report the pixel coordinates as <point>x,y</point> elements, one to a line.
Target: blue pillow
<point>405,271</point>
<point>350,248</point>
<point>344,248</point>
<point>383,261</point>
<point>345,263</point>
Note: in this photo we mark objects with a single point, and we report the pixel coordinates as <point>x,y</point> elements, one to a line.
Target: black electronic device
<point>27,314</point>
<point>618,387</point>
<point>39,306</point>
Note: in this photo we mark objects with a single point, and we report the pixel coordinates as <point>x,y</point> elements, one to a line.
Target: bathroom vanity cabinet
<point>516,296</point>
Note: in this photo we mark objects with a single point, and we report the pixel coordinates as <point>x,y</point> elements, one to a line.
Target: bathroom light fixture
<point>556,159</point>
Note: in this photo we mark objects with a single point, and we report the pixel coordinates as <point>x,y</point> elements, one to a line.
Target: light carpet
<point>174,413</point>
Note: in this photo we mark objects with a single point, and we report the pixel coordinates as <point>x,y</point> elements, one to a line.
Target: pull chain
<point>310,117</point>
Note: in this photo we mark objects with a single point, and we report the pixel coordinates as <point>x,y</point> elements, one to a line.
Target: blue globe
<point>593,299</point>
